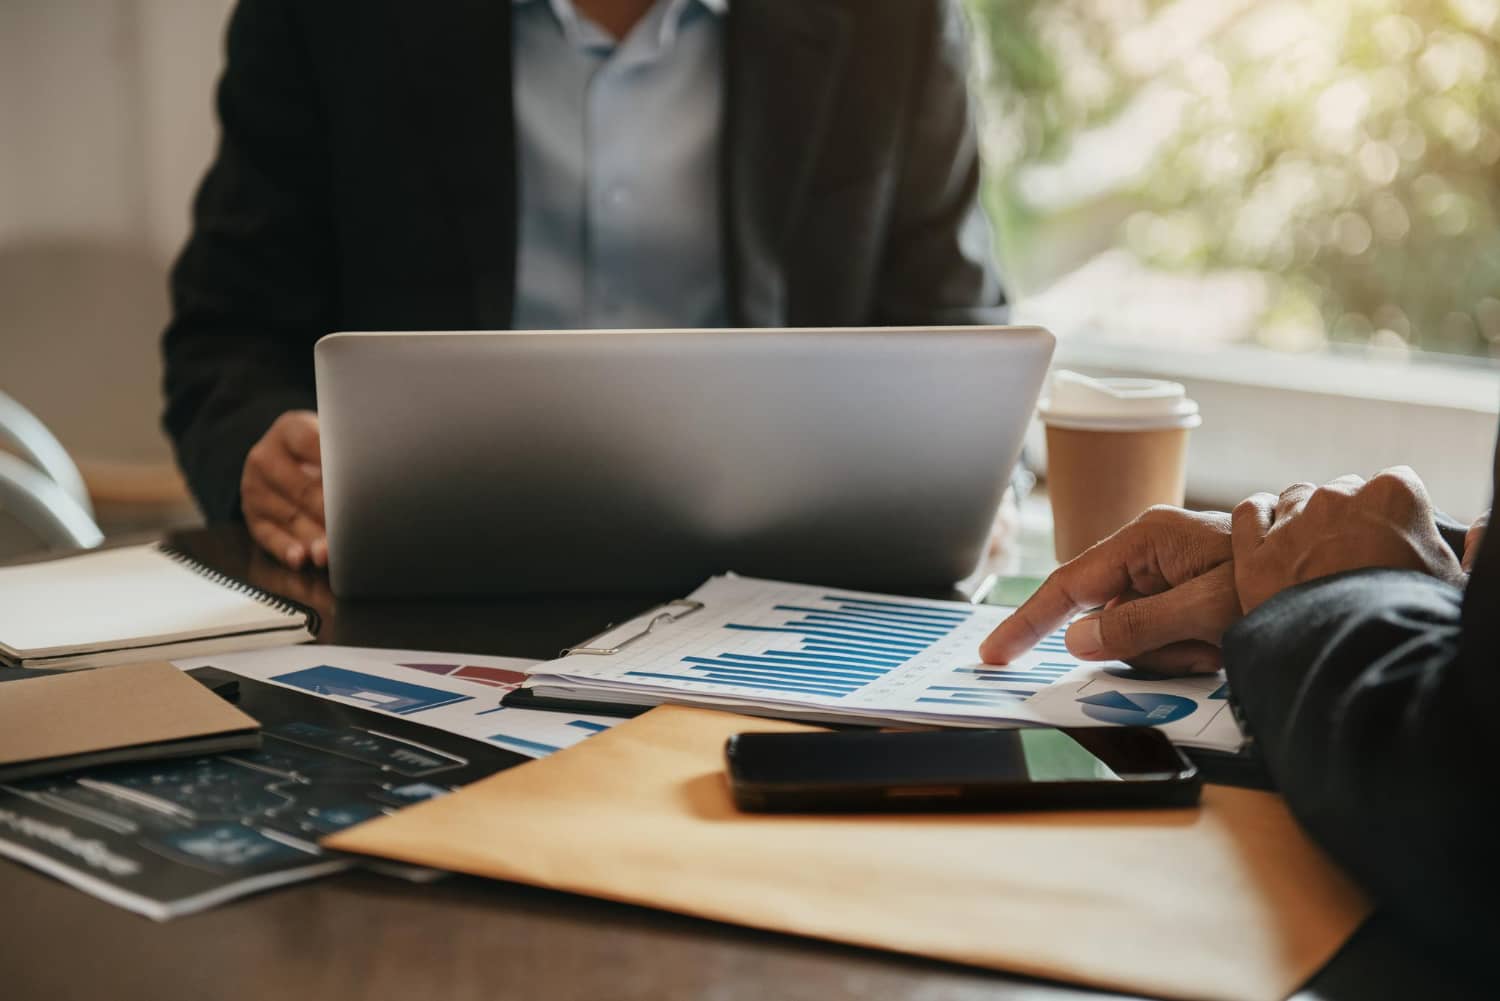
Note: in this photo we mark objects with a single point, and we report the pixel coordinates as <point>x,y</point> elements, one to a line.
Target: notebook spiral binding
<point>276,601</point>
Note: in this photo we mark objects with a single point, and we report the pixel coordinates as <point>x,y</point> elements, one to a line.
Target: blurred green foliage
<point>1342,153</point>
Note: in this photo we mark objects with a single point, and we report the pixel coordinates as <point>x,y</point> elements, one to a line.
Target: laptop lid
<point>647,460</point>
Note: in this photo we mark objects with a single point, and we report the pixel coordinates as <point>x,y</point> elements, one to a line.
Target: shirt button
<point>617,197</point>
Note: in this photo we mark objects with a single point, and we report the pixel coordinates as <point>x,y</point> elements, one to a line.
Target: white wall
<point>106,125</point>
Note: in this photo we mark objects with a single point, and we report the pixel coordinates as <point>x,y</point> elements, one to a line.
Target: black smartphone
<point>1019,769</point>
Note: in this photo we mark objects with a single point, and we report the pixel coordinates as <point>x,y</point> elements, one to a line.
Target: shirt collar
<point>567,14</point>
<point>584,35</point>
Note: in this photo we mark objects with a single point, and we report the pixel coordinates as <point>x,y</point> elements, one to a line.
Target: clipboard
<point>663,614</point>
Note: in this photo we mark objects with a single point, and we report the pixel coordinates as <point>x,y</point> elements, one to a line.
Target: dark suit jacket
<point>1375,697</point>
<point>365,181</point>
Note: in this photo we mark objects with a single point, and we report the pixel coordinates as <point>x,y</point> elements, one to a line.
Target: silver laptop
<point>516,462</point>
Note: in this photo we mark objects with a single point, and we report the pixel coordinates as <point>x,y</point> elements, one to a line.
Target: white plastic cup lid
<point>1082,403</point>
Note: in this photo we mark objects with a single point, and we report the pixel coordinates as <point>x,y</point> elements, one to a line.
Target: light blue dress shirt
<point>617,149</point>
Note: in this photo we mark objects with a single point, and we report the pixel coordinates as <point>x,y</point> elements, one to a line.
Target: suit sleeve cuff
<point>213,455</point>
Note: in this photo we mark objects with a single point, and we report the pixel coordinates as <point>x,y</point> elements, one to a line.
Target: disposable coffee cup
<point>1114,448</point>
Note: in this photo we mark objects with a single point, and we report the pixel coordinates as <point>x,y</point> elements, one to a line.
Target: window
<point>1183,185</point>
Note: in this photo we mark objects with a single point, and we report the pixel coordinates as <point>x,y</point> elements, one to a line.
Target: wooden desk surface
<point>361,935</point>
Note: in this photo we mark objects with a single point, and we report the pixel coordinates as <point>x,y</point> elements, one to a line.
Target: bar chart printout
<point>763,642</point>
<point>822,653</point>
<point>830,645</point>
<point>853,649</point>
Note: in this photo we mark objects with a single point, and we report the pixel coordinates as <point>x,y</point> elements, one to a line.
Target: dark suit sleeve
<point>938,265</point>
<point>254,287</point>
<point>1375,696</point>
<point>1453,532</point>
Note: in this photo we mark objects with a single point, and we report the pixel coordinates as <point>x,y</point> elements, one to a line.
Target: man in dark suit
<point>473,164</point>
<point>1360,632</point>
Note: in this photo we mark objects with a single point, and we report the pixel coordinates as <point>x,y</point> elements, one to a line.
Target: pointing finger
<point>1088,581</point>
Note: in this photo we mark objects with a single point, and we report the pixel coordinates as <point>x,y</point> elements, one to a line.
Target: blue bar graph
<point>962,688</point>
<point>523,743</point>
<point>776,684</point>
<point>1021,680</point>
<point>913,633</point>
<point>873,618</point>
<point>854,653</point>
<point>584,724</point>
<point>863,639</point>
<point>966,694</point>
<point>832,669</point>
<point>842,644</point>
<point>836,646</point>
<point>996,674</point>
<point>970,700</point>
<point>742,681</point>
<point>791,672</point>
<point>996,698</point>
<point>831,660</point>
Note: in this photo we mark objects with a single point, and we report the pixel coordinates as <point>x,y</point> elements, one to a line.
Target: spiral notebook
<point>133,604</point>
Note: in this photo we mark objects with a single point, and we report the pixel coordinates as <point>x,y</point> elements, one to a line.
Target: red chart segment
<point>431,668</point>
<point>498,676</point>
<point>495,677</point>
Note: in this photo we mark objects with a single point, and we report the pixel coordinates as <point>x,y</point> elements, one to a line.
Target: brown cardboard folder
<point>1230,901</point>
<point>138,712</point>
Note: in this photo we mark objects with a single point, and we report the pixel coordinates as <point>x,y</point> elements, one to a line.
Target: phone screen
<point>1033,755</point>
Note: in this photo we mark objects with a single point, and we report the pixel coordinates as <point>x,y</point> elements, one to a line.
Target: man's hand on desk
<point>1347,524</point>
<point>281,491</point>
<point>1166,585</point>
<point>1172,582</point>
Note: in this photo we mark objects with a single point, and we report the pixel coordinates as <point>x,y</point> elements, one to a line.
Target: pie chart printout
<point>1137,708</point>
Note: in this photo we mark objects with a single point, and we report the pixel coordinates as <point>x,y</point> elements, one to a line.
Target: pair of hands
<point>1171,582</point>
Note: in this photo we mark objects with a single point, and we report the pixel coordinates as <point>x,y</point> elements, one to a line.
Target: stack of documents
<point>828,655</point>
